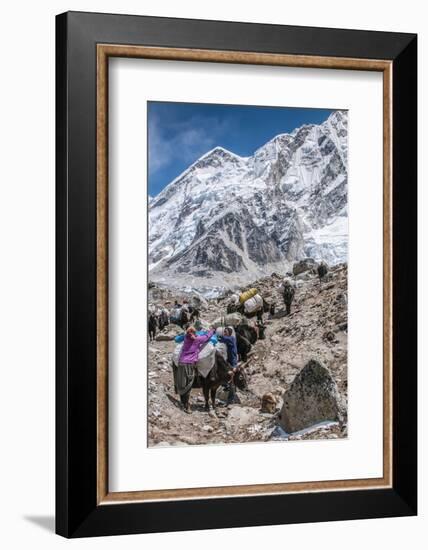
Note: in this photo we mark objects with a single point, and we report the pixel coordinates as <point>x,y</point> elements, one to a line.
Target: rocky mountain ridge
<point>229,219</point>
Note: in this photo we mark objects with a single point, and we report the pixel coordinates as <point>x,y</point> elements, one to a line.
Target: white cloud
<point>184,141</point>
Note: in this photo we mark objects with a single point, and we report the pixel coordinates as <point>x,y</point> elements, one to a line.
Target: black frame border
<point>77,512</point>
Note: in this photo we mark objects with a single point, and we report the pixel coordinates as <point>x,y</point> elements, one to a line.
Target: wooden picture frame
<point>85,42</point>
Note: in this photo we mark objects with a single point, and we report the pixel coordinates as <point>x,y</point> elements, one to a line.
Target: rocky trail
<point>316,330</point>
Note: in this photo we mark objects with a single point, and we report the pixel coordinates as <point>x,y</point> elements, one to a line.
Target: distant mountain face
<point>229,219</point>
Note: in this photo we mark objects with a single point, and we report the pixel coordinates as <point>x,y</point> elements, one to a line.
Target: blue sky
<point>179,133</point>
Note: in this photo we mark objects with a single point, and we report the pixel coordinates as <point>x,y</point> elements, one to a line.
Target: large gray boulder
<point>312,397</point>
<point>304,265</point>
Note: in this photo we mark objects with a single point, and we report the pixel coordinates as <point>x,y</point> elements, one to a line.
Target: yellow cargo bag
<point>247,295</point>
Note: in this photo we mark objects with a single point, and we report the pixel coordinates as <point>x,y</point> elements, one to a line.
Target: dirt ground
<point>316,328</point>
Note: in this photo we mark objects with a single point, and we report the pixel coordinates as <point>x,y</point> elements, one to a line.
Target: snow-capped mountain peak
<point>228,218</point>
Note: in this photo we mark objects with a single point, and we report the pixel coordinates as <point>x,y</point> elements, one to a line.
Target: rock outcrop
<point>303,266</point>
<point>313,397</point>
<point>168,333</point>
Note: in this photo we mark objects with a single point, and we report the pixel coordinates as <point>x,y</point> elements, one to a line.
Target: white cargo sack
<point>206,359</point>
<point>231,319</point>
<point>222,348</point>
<point>253,304</point>
<point>220,331</point>
<point>176,314</point>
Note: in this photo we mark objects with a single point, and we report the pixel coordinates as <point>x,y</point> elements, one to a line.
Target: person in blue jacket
<point>232,359</point>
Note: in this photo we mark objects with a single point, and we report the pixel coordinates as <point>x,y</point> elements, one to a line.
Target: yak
<point>182,319</point>
<point>153,323</point>
<point>322,271</point>
<point>221,374</point>
<point>240,308</point>
<point>246,336</point>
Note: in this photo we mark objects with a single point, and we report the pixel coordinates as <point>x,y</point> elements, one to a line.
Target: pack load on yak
<point>198,363</point>
<point>206,357</point>
<point>180,337</point>
<point>200,325</point>
<point>175,316</point>
<point>231,319</point>
<point>247,294</point>
<point>255,303</point>
<point>176,313</point>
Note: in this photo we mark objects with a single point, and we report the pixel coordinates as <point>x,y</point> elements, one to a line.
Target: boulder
<point>304,276</point>
<point>342,299</point>
<point>198,301</point>
<point>168,333</point>
<point>241,416</point>
<point>312,397</point>
<point>303,265</point>
<point>330,336</point>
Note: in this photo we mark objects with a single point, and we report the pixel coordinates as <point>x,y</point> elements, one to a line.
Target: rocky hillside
<point>229,219</point>
<point>315,330</point>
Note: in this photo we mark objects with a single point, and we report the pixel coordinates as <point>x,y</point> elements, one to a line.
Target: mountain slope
<point>228,219</point>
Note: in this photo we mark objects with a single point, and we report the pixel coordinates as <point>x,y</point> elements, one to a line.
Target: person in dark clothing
<point>153,323</point>
<point>288,295</point>
<point>261,328</point>
<point>232,359</point>
<point>232,350</point>
<point>322,270</point>
<point>163,319</point>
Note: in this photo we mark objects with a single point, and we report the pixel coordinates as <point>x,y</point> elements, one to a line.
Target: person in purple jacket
<point>184,373</point>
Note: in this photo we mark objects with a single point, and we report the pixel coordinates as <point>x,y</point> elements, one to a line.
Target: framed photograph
<point>236,274</point>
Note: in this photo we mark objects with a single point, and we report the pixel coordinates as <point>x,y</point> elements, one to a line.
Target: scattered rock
<point>342,299</point>
<point>268,403</point>
<point>168,333</point>
<point>241,416</point>
<point>328,287</point>
<point>342,327</point>
<point>330,336</point>
<point>305,276</point>
<point>207,428</point>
